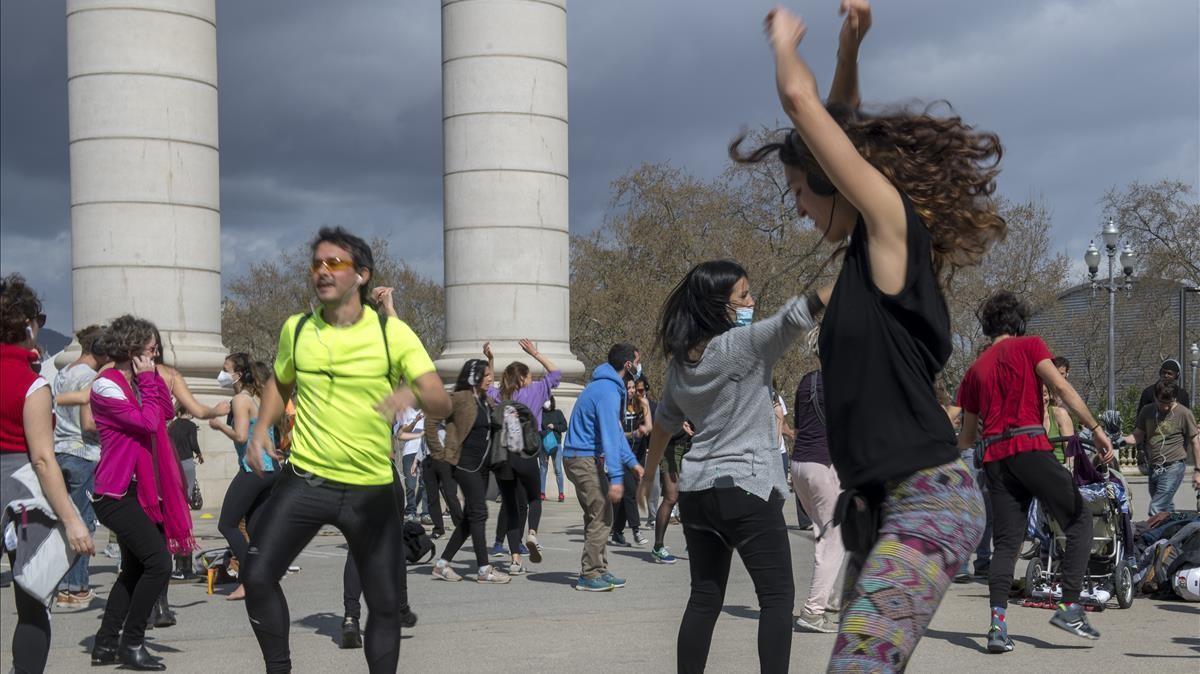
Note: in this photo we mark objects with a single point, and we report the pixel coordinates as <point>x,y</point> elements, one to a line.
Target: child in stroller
<point>1109,571</point>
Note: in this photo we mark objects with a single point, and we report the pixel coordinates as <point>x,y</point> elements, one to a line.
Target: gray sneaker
<point>639,540</point>
<point>492,576</point>
<point>807,622</point>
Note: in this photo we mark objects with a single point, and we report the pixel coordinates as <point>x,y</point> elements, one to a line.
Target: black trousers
<point>31,638</point>
<point>369,518</point>
<point>520,494</point>
<point>474,521</point>
<point>244,498</point>
<point>715,523</point>
<point>626,512</point>
<point>145,569</point>
<point>1013,483</point>
<point>439,482</point>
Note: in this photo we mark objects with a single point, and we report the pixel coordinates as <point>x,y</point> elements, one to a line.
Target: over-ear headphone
<point>820,185</point>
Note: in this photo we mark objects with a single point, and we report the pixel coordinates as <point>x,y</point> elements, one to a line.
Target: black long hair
<point>471,374</point>
<point>698,308</point>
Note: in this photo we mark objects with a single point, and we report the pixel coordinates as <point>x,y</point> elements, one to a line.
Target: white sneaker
<point>490,575</point>
<point>444,572</point>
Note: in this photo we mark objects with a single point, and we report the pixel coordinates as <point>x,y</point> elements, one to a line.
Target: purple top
<point>533,396</point>
<point>812,444</point>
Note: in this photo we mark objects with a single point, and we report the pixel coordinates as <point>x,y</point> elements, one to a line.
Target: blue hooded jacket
<point>595,428</point>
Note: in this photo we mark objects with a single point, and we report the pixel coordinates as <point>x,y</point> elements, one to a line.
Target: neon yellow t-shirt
<point>340,375</point>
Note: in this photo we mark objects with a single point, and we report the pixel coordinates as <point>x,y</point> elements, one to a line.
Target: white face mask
<point>546,405</point>
<point>224,379</point>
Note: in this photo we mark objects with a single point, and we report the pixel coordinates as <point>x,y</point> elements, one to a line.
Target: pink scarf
<point>159,482</point>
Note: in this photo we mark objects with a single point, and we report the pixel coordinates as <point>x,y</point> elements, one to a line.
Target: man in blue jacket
<point>596,456</point>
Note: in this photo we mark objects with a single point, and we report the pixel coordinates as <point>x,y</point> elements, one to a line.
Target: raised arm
<point>854,177</point>
<point>530,348</point>
<point>844,89</point>
<point>382,295</point>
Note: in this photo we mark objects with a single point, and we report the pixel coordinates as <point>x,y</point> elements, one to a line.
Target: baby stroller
<point>1109,571</point>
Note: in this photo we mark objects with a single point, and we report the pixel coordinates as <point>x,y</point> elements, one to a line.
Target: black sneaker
<point>351,635</point>
<point>998,641</point>
<point>1074,620</point>
<point>408,619</point>
<point>619,539</point>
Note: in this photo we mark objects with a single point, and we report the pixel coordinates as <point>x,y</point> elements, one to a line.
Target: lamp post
<point>1195,363</point>
<point>1111,237</point>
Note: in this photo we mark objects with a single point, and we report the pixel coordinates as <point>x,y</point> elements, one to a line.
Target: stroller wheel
<point>1033,576</point>
<point>1123,584</point>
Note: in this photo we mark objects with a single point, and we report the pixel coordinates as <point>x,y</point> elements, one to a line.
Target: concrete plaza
<point>539,623</point>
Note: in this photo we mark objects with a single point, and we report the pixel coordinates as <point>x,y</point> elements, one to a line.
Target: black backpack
<point>418,546</point>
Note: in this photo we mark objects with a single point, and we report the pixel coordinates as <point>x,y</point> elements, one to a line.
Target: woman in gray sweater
<point>731,491</point>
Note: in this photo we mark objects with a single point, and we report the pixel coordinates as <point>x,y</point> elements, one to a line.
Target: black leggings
<point>1013,483</point>
<point>474,522</point>
<point>715,523</point>
<point>369,518</point>
<point>145,569</point>
<point>244,498</point>
<point>520,494</point>
<point>627,510</point>
<point>439,480</point>
<point>31,638</point>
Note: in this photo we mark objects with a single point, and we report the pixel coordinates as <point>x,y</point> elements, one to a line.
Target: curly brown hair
<point>18,306</point>
<point>943,165</point>
<point>127,336</point>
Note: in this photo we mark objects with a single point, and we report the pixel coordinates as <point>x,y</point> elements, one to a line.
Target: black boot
<point>162,616</point>
<point>351,635</point>
<point>139,659</point>
<point>104,654</point>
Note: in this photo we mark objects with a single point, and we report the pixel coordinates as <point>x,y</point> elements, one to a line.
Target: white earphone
<point>360,278</point>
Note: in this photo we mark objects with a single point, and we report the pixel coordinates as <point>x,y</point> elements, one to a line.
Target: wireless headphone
<point>359,277</point>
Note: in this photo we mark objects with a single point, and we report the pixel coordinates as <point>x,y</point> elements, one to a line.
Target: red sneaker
<point>561,497</point>
<point>543,496</point>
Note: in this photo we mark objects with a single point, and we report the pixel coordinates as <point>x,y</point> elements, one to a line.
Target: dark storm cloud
<point>330,112</point>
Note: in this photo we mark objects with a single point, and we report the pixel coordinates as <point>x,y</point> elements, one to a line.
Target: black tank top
<point>879,354</point>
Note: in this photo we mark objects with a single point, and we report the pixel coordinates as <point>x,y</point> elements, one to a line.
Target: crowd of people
<point>351,426</point>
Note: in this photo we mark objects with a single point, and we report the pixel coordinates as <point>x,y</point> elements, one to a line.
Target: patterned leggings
<point>931,521</point>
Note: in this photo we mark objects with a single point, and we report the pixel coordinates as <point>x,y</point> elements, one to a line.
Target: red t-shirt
<point>1003,388</point>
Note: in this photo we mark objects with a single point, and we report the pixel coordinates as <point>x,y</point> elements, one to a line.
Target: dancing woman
<point>911,192</point>
<point>731,491</point>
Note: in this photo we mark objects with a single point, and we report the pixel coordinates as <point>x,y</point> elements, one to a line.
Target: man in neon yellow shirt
<point>345,364</point>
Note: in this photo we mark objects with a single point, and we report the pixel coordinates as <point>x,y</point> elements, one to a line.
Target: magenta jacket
<point>128,431</point>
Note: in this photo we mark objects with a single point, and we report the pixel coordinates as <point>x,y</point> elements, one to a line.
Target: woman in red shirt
<point>27,437</point>
<point>1001,398</point>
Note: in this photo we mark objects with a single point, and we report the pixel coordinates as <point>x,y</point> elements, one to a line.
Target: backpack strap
<point>382,330</point>
<point>815,399</point>
<point>386,347</point>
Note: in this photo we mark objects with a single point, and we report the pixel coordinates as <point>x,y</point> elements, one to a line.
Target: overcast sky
<point>330,112</point>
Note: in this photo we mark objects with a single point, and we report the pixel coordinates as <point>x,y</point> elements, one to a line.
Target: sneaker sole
<point>805,626</point>
<point>535,555</point>
<point>1068,628</point>
<point>581,588</point>
<point>665,561</point>
<point>494,582</point>
<point>999,648</point>
<point>448,580</point>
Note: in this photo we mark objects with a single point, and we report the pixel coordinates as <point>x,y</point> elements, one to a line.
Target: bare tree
<point>1162,220</point>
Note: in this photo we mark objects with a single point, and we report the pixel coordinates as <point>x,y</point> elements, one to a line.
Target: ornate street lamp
<point>1111,237</point>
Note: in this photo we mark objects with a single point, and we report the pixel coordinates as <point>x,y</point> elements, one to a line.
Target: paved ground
<point>538,623</point>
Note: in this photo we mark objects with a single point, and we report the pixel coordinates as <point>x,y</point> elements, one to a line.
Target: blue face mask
<point>744,316</point>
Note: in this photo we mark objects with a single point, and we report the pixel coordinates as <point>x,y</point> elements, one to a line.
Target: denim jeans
<point>1164,482</point>
<point>414,489</point>
<point>544,465</point>
<point>983,552</point>
<point>79,474</point>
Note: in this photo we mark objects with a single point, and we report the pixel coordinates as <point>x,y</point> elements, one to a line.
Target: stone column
<point>145,197</point>
<point>504,107</point>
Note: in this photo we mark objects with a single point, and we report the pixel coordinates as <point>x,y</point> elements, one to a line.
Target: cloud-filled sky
<point>330,112</point>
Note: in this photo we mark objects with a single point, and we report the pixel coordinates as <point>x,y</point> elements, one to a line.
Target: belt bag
<point>1030,431</point>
